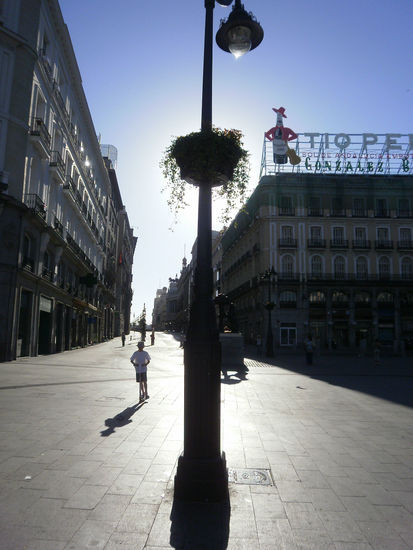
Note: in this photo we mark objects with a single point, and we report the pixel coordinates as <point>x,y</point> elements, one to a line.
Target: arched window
<point>385,298</point>
<point>316,266</point>
<point>362,298</point>
<point>384,267</point>
<point>407,268</point>
<point>317,297</point>
<point>287,265</point>
<point>339,297</point>
<point>361,268</point>
<point>339,267</point>
<point>288,298</point>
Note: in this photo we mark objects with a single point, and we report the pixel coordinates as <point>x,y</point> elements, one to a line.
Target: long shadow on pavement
<point>391,380</point>
<point>200,525</point>
<point>121,419</point>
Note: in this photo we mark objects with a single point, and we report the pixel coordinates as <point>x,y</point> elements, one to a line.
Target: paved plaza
<point>320,457</point>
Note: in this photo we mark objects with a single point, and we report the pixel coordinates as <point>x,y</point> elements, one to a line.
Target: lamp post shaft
<point>201,473</point>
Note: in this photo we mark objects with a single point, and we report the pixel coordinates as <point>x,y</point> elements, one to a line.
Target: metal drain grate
<point>249,476</point>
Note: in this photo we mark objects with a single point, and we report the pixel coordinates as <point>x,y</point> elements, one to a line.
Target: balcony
<point>286,211</point>
<point>58,226</point>
<point>35,203</point>
<point>288,276</point>
<point>405,213</point>
<point>361,244</point>
<point>315,212</point>
<point>28,264</point>
<point>47,66</point>
<point>359,213</point>
<point>316,243</point>
<point>382,213</point>
<point>287,243</point>
<point>288,303</point>
<point>40,136</point>
<point>405,245</point>
<point>47,274</point>
<point>57,165</point>
<point>338,212</point>
<point>339,243</point>
<point>383,245</point>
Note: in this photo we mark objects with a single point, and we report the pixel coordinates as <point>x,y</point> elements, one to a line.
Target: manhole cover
<point>249,476</point>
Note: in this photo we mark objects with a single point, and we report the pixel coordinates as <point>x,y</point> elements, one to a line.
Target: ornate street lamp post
<point>201,473</point>
<point>270,276</point>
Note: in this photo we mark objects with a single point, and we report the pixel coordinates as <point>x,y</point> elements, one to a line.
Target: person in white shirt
<point>140,359</point>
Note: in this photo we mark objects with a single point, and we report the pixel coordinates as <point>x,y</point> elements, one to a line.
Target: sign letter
<point>342,141</point>
<point>391,143</point>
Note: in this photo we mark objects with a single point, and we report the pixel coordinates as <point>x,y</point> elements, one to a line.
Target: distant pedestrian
<point>259,344</point>
<point>152,338</point>
<point>376,352</point>
<point>140,359</point>
<point>309,349</point>
<point>123,338</point>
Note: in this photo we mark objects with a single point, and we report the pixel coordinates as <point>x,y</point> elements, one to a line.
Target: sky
<point>335,67</point>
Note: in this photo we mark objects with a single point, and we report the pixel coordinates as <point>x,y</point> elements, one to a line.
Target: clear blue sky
<point>335,67</point>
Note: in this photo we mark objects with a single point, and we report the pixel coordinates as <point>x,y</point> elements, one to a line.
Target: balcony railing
<point>339,243</point>
<point>361,243</point>
<point>56,161</point>
<point>28,264</point>
<point>315,212</point>
<point>288,276</point>
<point>405,213</point>
<point>382,213</point>
<point>384,244</point>
<point>405,245</point>
<point>287,243</point>
<point>35,203</point>
<point>286,211</point>
<point>288,303</point>
<point>359,276</point>
<point>359,213</point>
<point>316,243</point>
<point>58,226</point>
<point>338,212</point>
<point>38,129</point>
<point>47,274</point>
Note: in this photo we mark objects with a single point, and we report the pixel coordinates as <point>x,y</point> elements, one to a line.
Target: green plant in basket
<point>210,157</point>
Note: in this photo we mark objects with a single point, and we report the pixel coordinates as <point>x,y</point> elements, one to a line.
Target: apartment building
<point>342,249</point>
<point>60,209</point>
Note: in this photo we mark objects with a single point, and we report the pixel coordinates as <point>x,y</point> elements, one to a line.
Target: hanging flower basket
<point>213,157</point>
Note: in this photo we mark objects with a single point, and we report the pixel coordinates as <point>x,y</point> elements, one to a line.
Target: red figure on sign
<point>280,136</point>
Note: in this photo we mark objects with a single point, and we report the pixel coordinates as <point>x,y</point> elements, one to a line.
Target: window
<point>407,268</point>
<point>288,335</point>
<point>287,232</point>
<point>384,267</point>
<point>287,265</point>
<point>404,208</point>
<point>339,267</point>
<point>405,235</point>
<point>337,206</point>
<point>361,268</point>
<point>338,235</point>
<point>381,207</point>
<point>382,234</point>
<point>288,297</point>
<point>316,266</point>
<point>385,298</point>
<point>315,233</point>
<point>314,208</point>
<point>358,207</point>
<point>317,297</point>
<point>286,206</point>
<point>362,298</point>
<point>360,234</point>
<point>339,297</point>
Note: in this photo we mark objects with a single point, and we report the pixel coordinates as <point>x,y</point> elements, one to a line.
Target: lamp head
<point>240,33</point>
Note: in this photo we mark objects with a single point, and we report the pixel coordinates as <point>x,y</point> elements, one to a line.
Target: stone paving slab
<point>84,465</point>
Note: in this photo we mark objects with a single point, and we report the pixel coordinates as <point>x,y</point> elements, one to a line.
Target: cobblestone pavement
<point>83,465</point>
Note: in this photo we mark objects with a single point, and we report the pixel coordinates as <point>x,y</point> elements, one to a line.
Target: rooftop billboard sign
<point>341,153</point>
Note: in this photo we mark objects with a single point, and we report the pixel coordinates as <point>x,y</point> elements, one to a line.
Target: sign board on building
<point>342,153</point>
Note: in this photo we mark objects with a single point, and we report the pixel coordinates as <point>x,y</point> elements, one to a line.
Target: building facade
<point>342,249</point>
<point>59,210</point>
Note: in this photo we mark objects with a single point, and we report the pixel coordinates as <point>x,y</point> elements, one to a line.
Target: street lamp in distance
<point>201,472</point>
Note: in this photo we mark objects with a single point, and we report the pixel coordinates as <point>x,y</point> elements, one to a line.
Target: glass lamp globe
<point>239,40</point>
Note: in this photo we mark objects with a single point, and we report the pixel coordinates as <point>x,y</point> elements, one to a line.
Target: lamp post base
<point>201,480</point>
